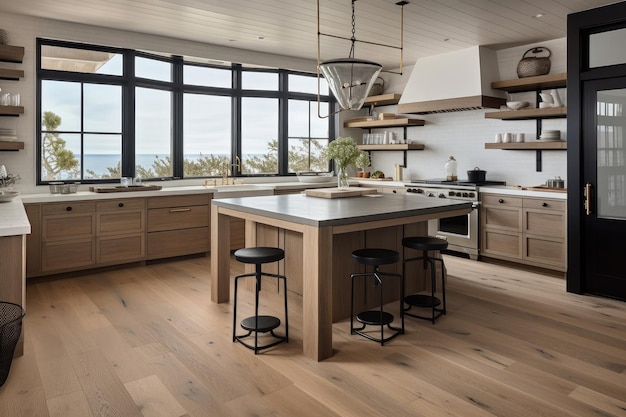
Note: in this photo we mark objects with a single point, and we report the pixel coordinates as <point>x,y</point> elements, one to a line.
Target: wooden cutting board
<point>339,192</point>
<point>120,189</point>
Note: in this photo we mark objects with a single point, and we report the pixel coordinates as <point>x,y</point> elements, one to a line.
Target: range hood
<point>456,81</point>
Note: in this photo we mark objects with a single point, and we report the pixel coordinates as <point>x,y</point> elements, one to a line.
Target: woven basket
<point>377,88</point>
<point>532,66</point>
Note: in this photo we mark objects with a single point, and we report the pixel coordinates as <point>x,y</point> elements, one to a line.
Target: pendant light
<point>350,79</point>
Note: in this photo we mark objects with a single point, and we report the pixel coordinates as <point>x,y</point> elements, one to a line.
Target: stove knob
<point>451,193</point>
<point>472,195</point>
<point>442,195</point>
<point>458,194</point>
<point>464,194</point>
<point>431,195</point>
<point>420,191</point>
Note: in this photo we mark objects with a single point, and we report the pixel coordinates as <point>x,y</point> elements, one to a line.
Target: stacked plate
<point>7,135</point>
<point>550,135</point>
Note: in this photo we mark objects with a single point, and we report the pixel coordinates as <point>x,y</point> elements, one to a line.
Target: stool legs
<point>417,300</point>
<point>377,318</point>
<point>260,324</point>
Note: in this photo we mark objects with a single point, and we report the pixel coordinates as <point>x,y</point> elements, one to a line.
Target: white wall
<point>463,134</point>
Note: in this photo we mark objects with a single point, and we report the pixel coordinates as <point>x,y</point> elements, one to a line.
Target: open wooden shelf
<point>530,146</point>
<point>395,147</point>
<point>528,114</point>
<point>11,74</point>
<point>540,82</point>
<point>383,99</point>
<point>11,146</point>
<point>10,53</point>
<point>11,110</point>
<point>385,123</point>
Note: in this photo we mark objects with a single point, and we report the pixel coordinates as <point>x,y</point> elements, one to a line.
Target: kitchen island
<point>324,231</point>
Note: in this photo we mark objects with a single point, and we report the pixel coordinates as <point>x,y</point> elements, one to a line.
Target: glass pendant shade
<point>350,80</point>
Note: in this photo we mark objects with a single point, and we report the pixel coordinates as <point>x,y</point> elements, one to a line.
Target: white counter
<point>522,193</point>
<point>13,220</point>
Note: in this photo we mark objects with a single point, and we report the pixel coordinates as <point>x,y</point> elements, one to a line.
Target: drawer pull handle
<point>544,204</point>
<point>120,205</point>
<point>500,201</point>
<point>68,208</point>
<point>180,210</point>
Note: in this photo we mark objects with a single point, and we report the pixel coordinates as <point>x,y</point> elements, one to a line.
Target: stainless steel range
<point>461,232</point>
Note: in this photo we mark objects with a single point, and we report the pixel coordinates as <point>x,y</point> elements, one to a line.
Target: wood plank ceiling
<point>288,27</point>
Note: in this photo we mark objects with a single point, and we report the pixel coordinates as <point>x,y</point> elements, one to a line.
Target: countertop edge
<point>523,193</point>
<point>14,221</point>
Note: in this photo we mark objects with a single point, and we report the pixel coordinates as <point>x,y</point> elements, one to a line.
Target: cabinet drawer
<point>544,251</point>
<point>122,222</point>
<point>178,218</point>
<point>507,218</point>
<point>178,242</point>
<point>501,200</point>
<point>178,201</point>
<point>66,255</point>
<point>122,204</point>
<point>69,208</point>
<point>545,204</point>
<point>502,244</point>
<point>112,249</point>
<point>544,223</point>
<point>68,227</point>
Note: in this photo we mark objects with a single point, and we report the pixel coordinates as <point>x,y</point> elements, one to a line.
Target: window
<point>109,112</point>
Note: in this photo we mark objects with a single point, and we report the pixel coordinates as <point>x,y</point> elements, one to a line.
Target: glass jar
<point>451,169</point>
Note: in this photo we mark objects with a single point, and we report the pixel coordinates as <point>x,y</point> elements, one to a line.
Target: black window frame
<point>129,82</point>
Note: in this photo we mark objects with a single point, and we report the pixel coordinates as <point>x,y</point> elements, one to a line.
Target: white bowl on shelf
<point>516,105</point>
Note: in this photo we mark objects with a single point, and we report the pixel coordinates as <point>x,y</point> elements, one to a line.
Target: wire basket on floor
<point>11,316</point>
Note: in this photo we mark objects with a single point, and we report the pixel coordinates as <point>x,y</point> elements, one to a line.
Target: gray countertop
<point>316,211</point>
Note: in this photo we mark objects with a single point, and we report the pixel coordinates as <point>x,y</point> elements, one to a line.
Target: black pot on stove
<point>476,175</point>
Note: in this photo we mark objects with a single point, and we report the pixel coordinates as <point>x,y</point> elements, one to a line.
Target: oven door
<point>461,232</point>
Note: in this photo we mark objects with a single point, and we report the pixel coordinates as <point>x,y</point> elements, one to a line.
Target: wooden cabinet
<point>84,234</point>
<point>68,236</point>
<point>544,233</point>
<point>178,225</point>
<point>528,230</point>
<point>120,230</point>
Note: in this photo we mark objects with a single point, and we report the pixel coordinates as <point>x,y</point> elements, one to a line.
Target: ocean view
<point>100,162</point>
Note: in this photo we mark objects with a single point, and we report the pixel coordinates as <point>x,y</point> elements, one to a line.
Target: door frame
<point>579,26</point>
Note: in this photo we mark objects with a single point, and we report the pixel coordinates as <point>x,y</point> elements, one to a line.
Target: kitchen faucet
<point>226,171</point>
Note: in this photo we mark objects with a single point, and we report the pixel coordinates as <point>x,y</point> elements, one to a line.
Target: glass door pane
<point>611,168</point>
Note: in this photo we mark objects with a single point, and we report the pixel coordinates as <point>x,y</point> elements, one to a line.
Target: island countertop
<point>321,212</point>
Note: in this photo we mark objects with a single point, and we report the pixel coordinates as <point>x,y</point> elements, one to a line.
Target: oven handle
<point>475,205</point>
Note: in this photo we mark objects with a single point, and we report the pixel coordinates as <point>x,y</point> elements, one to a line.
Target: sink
<point>241,190</point>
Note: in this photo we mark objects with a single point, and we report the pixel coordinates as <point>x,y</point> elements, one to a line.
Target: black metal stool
<point>376,257</point>
<point>425,244</point>
<point>260,324</point>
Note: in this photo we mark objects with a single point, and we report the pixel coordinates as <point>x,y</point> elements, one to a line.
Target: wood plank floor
<point>147,341</point>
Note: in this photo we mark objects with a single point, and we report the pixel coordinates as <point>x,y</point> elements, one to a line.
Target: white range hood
<point>459,80</point>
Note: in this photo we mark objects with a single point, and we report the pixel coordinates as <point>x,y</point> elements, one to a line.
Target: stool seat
<point>265,324</point>
<point>259,255</point>
<point>375,318</point>
<point>376,256</point>
<point>424,243</point>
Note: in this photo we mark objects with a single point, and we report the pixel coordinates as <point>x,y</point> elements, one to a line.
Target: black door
<point>604,178</point>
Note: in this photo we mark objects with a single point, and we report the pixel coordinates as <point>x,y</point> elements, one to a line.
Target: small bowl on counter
<point>7,195</point>
<point>61,188</point>
<point>314,177</point>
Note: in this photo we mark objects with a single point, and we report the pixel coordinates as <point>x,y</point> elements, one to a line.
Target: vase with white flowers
<point>344,152</point>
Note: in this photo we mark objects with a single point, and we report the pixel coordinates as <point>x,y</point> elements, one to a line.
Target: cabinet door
<point>120,248</point>
<point>33,240</point>
<point>178,242</point>
<point>544,223</point>
<point>502,218</point>
<point>501,243</point>
<point>67,254</point>
<point>545,252</point>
